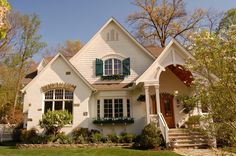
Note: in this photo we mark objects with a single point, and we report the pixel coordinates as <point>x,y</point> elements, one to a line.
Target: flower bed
<point>114,121</point>
<point>43,146</point>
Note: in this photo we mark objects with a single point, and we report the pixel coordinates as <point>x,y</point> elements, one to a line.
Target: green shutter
<point>99,67</point>
<point>126,66</point>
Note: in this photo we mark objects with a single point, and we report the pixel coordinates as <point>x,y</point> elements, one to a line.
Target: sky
<point>63,20</point>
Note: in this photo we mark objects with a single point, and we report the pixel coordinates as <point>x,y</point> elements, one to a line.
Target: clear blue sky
<point>80,19</point>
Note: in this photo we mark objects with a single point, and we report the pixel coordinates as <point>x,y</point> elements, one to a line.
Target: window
<point>114,108</point>
<point>108,108</point>
<point>113,67</point>
<point>118,108</point>
<point>128,108</point>
<point>108,67</point>
<point>58,99</point>
<point>98,109</point>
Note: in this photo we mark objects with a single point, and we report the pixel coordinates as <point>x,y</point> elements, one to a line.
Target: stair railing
<point>163,127</point>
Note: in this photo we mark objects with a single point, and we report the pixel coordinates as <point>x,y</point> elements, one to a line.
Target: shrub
<point>27,136</point>
<point>81,135</point>
<point>54,121</point>
<point>193,120</point>
<point>104,139</point>
<point>113,138</point>
<point>17,132</point>
<point>96,137</point>
<point>62,138</point>
<point>127,138</point>
<point>149,138</point>
<point>188,103</point>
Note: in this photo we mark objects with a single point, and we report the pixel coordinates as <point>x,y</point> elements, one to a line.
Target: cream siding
<point>100,48</point>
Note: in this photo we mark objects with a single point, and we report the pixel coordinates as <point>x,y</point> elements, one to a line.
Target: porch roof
<point>112,86</point>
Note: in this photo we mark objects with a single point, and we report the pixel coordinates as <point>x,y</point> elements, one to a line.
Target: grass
<point>12,151</point>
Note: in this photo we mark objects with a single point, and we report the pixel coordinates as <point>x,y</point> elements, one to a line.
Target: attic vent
<point>112,35</point>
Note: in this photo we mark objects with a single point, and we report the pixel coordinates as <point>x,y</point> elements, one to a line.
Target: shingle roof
<point>112,86</point>
<point>154,50</point>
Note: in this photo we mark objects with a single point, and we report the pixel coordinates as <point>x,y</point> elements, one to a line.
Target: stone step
<point>190,141</point>
<point>187,137</point>
<point>183,133</point>
<point>197,145</point>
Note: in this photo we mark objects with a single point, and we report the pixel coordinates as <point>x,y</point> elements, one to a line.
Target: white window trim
<point>54,99</point>
<point>113,106</point>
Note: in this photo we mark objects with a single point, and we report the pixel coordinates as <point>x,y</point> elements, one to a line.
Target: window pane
<point>68,94</point>
<point>47,106</point>
<point>49,95</point>
<point>108,67</point>
<point>69,106</point>
<point>128,108</point>
<point>108,108</point>
<point>117,67</point>
<point>59,94</point>
<point>118,108</point>
<point>58,105</point>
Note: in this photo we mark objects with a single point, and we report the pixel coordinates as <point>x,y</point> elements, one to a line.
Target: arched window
<point>113,67</point>
<point>58,99</point>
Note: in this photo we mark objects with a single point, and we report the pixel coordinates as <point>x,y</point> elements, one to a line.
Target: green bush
<point>187,102</point>
<point>104,139</point>
<point>127,138</point>
<point>149,138</point>
<point>81,135</point>
<point>62,138</point>
<point>195,119</point>
<point>54,121</point>
<point>96,137</point>
<point>17,132</point>
<point>113,138</point>
<point>29,136</point>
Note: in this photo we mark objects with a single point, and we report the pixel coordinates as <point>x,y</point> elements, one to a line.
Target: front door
<point>166,101</point>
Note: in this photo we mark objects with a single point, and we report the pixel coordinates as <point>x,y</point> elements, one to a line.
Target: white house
<point>112,84</point>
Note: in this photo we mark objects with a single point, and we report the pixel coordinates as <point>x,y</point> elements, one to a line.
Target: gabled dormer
<point>112,54</point>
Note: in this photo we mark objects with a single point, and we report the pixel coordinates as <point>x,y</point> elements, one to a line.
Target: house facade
<point>113,84</point>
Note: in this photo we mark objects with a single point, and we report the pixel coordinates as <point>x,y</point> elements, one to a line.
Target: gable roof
<point>68,63</point>
<point>154,50</point>
<point>112,19</point>
<point>162,55</point>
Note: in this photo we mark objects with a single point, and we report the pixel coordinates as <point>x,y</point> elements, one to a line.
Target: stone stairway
<point>182,138</point>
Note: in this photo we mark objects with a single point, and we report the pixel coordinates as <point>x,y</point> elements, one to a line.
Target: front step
<point>182,138</point>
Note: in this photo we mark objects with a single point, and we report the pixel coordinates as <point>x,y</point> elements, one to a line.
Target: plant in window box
<point>113,77</point>
<point>120,120</point>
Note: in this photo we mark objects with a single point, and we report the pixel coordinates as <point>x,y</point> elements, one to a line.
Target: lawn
<point>12,151</point>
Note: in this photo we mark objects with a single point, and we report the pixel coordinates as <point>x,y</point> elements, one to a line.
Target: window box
<point>113,77</point>
<point>114,121</point>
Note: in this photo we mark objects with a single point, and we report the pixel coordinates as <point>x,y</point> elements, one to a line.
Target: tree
<point>54,121</point>
<point>28,44</point>
<point>228,20</point>
<point>70,48</point>
<point>215,84</point>
<point>158,21</point>
<point>4,10</point>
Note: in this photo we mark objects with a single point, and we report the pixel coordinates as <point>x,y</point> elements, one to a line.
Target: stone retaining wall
<point>42,146</point>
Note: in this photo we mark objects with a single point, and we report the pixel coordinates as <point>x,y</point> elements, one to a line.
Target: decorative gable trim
<point>69,64</point>
<point>65,86</point>
<point>156,63</point>
<point>123,29</point>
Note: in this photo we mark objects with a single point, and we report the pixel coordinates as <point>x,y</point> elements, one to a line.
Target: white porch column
<point>158,98</point>
<point>147,103</point>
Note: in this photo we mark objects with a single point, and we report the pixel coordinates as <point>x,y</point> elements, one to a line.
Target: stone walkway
<point>203,152</point>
